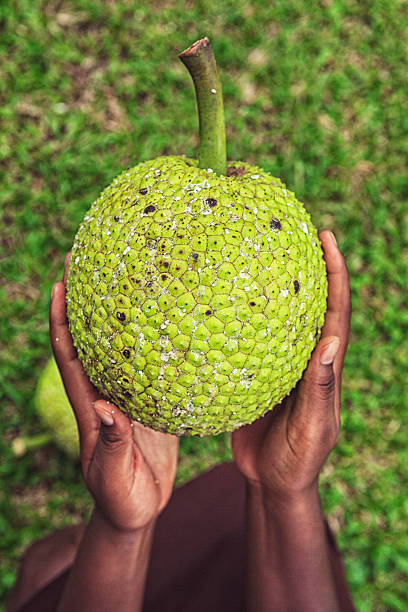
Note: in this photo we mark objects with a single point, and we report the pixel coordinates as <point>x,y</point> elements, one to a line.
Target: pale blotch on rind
<point>195,300</point>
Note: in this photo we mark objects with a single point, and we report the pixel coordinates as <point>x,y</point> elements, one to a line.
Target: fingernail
<point>329,352</point>
<point>334,238</point>
<point>53,290</point>
<point>104,414</point>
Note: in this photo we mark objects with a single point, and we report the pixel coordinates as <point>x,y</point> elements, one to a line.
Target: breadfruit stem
<point>200,62</point>
<point>23,444</point>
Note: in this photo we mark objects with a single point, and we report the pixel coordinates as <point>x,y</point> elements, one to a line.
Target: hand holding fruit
<point>284,451</point>
<point>128,468</point>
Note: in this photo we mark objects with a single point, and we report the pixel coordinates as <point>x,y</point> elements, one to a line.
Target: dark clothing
<point>197,562</point>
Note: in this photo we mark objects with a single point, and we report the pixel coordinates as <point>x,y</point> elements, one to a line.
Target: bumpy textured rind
<point>195,300</point>
<point>54,409</point>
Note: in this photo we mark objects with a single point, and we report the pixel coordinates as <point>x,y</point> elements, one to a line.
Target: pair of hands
<point>130,469</point>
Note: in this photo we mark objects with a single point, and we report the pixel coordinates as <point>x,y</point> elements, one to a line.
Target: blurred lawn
<point>316,93</point>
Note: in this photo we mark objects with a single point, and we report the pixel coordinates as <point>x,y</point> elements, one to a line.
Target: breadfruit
<point>195,297</point>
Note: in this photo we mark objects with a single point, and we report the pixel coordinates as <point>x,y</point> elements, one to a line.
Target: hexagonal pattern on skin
<point>195,300</point>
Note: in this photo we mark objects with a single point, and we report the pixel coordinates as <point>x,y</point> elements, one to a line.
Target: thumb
<point>317,390</point>
<point>114,448</point>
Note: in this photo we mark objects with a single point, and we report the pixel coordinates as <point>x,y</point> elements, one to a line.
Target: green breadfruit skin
<point>195,300</point>
<point>54,409</point>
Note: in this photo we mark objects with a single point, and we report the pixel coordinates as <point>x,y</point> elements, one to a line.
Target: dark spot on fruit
<point>164,276</point>
<point>208,312</point>
<point>250,375</point>
<point>149,284</point>
<point>103,273</point>
<point>188,163</point>
<point>149,209</point>
<point>177,267</point>
<point>126,353</point>
<point>121,316</point>
<point>143,190</point>
<point>180,235</point>
<point>87,321</point>
<point>125,287</point>
<point>116,217</point>
<point>236,171</point>
<point>126,380</point>
<point>275,224</point>
<point>211,202</point>
<point>296,286</point>
<point>194,255</point>
<point>138,281</point>
<point>127,394</point>
<point>166,264</point>
<point>252,303</point>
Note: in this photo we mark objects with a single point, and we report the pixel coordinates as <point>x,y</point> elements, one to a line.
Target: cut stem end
<point>200,62</point>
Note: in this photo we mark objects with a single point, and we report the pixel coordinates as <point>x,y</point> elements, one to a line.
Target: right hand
<point>128,468</point>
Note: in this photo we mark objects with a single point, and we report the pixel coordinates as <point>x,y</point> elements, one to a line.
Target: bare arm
<point>110,569</point>
<point>288,556</point>
<point>281,455</point>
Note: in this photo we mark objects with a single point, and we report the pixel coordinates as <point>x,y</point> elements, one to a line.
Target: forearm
<point>288,565</point>
<point>109,571</point>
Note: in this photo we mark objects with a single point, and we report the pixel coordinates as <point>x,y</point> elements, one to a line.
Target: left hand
<point>128,468</point>
<point>284,451</point>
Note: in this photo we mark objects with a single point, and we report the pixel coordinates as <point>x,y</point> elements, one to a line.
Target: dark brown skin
<point>281,456</point>
<point>130,470</point>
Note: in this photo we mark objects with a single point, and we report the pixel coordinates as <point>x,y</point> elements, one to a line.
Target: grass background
<point>314,92</point>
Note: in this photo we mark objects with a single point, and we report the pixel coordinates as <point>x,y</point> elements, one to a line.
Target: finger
<point>61,340</point>
<point>66,266</point>
<point>337,320</point>
<point>80,391</point>
<point>316,400</point>
<point>115,454</point>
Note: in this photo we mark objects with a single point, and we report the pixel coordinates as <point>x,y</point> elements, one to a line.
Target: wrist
<point>116,532</point>
<point>273,501</point>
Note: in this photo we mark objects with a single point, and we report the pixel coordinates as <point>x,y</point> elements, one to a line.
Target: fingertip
<point>57,312</point>
<point>329,244</point>
<point>327,235</point>
<point>334,259</point>
<point>56,289</point>
<point>53,291</point>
